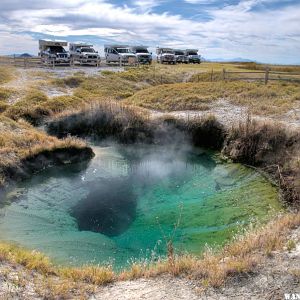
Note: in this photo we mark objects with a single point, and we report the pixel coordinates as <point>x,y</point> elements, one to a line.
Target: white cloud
<point>234,30</point>
<point>146,5</point>
<point>199,1</point>
<point>20,43</point>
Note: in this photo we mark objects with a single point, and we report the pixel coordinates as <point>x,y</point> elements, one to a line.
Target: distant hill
<point>23,55</point>
<point>236,59</point>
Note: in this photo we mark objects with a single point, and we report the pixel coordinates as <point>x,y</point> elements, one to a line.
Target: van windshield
<point>179,53</point>
<point>91,50</point>
<point>122,50</point>
<point>57,49</point>
<point>141,51</point>
<point>192,53</point>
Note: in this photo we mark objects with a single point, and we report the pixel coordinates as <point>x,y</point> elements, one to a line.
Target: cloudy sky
<point>262,30</point>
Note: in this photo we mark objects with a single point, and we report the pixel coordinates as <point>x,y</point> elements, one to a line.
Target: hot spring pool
<point>121,205</point>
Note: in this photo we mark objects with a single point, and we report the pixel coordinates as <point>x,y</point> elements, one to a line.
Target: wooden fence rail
<point>24,62</point>
<point>31,62</point>
<point>266,75</point>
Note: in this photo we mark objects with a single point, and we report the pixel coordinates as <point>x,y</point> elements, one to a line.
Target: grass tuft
<point>6,74</point>
<point>90,274</point>
<point>31,260</point>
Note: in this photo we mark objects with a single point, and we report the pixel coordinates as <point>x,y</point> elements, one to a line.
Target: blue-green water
<point>124,204</point>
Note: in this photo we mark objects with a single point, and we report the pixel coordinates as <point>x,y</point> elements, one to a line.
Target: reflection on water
<point>125,202</point>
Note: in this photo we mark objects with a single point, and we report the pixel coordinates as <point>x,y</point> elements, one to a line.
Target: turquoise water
<point>124,204</point>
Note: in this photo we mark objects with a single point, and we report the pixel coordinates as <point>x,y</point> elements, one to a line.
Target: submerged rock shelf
<point>124,203</point>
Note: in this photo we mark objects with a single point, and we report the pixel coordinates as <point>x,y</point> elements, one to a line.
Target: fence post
<point>198,77</point>
<point>161,79</point>
<point>224,74</point>
<point>267,75</point>
<point>211,75</point>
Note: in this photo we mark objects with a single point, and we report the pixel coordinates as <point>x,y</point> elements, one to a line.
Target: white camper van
<point>193,56</point>
<point>84,54</point>
<point>165,55</point>
<point>180,56</point>
<point>53,52</point>
<point>119,54</point>
<point>142,54</point>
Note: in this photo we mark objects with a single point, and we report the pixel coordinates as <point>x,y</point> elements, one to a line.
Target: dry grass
<point>6,74</point>
<point>275,98</point>
<point>91,274</point>
<point>20,141</point>
<point>5,93</point>
<point>36,106</point>
<point>101,120</point>
<point>261,67</point>
<point>31,260</point>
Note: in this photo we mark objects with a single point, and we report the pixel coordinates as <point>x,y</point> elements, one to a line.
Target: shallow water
<point>129,200</point>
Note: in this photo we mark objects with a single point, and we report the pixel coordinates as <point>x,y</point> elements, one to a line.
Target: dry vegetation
<point>279,68</point>
<point>36,106</point>
<point>274,98</point>
<point>6,74</point>
<point>157,87</point>
<point>20,142</point>
<point>102,120</point>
